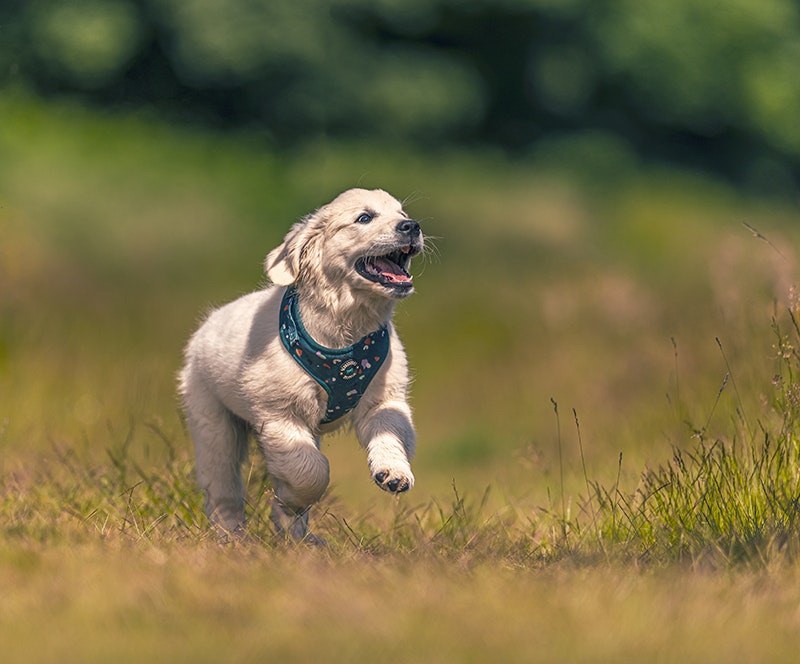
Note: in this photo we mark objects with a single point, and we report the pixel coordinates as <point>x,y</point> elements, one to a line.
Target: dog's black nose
<point>408,226</point>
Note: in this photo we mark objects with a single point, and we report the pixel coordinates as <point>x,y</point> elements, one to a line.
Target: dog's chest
<point>344,373</point>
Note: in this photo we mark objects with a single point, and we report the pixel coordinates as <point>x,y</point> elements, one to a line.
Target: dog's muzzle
<point>390,269</point>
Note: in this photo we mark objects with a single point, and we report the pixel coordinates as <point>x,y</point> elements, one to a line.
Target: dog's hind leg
<point>220,444</point>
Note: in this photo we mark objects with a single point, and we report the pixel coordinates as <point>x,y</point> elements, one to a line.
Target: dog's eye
<point>365,218</point>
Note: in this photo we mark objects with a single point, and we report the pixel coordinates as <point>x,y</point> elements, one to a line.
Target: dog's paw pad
<point>392,482</point>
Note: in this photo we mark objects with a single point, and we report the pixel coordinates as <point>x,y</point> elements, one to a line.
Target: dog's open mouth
<point>389,270</point>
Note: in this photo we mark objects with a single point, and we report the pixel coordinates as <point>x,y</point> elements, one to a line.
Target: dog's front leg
<point>299,472</point>
<point>386,432</point>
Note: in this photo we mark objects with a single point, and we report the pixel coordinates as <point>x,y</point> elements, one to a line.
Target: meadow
<point>604,358</point>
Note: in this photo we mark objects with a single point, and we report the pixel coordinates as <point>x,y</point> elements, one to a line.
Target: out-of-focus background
<point>612,188</point>
<point>708,86</point>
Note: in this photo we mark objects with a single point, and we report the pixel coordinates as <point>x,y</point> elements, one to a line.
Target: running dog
<point>302,357</point>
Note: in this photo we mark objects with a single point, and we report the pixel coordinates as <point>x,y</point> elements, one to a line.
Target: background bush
<point>712,85</point>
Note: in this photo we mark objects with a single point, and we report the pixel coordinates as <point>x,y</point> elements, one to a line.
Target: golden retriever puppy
<point>303,356</point>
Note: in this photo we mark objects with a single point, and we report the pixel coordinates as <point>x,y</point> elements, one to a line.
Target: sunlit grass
<point>733,495</point>
<point>730,494</point>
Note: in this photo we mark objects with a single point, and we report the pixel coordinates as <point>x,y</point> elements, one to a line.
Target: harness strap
<point>344,373</point>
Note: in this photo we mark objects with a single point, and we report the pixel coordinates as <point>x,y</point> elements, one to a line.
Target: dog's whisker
<point>430,251</point>
<point>413,197</point>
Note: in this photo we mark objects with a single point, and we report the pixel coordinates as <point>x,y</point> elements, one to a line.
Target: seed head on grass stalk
<point>563,515</point>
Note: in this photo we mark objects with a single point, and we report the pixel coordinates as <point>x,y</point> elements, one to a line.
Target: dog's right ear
<point>283,262</point>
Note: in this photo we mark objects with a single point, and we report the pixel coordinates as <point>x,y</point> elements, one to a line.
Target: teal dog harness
<point>344,373</point>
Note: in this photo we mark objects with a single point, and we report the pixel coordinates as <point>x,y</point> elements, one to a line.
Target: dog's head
<point>361,241</point>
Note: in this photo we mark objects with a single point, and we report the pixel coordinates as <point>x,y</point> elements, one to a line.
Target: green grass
<point>605,393</point>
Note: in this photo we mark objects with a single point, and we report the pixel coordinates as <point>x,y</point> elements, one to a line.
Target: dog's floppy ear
<point>283,262</point>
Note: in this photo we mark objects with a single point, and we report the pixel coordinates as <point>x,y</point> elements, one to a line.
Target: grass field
<point>605,361</point>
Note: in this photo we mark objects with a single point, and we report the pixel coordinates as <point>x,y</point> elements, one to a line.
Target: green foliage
<point>712,84</point>
<point>88,42</point>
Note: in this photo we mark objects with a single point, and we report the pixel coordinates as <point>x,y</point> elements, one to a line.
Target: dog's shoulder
<point>245,323</point>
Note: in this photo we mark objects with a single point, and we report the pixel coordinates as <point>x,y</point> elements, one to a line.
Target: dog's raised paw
<point>392,482</point>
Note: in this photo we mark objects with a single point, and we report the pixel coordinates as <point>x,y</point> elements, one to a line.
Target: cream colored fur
<point>238,379</point>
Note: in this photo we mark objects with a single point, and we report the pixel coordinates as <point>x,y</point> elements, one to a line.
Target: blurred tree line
<point>711,83</point>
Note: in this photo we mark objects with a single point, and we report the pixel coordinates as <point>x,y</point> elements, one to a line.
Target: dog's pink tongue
<point>391,271</point>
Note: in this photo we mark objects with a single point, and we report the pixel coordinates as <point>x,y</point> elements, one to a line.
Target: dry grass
<point>200,603</point>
